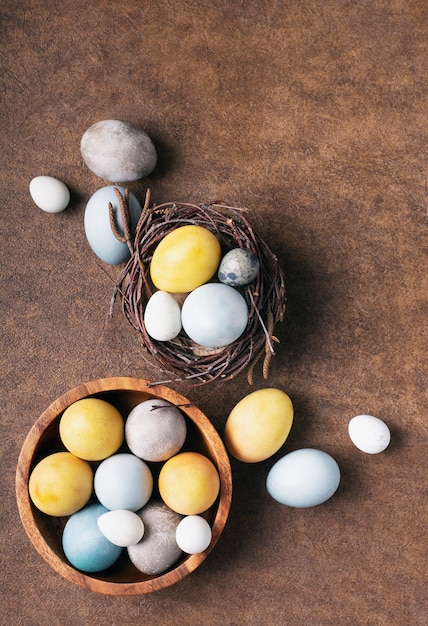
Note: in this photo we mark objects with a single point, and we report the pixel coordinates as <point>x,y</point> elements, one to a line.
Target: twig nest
<point>118,151</point>
<point>182,359</point>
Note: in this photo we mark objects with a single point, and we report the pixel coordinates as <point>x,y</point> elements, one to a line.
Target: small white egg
<point>369,434</point>
<point>193,534</point>
<point>49,194</point>
<point>162,316</point>
<point>122,527</point>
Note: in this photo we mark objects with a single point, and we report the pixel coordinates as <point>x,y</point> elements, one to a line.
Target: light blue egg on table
<point>84,545</point>
<point>214,315</point>
<point>303,478</point>
<point>97,224</point>
<point>238,267</point>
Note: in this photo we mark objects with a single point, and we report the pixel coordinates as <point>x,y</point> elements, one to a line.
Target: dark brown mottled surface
<point>313,114</point>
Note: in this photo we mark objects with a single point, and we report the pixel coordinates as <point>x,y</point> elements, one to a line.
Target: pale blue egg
<point>84,545</point>
<point>303,478</point>
<point>238,267</point>
<point>123,481</point>
<point>97,224</point>
<point>214,315</point>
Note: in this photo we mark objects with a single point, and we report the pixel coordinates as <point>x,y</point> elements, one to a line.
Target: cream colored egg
<point>193,534</point>
<point>258,425</point>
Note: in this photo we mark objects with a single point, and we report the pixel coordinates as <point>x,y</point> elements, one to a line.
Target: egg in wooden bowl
<point>65,533</point>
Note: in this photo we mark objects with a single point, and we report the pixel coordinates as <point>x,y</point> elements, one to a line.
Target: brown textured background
<point>313,114</point>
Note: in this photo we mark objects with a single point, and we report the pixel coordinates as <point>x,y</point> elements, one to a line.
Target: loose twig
<point>127,237</point>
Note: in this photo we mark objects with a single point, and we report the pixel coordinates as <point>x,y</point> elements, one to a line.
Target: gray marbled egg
<point>158,549</point>
<point>118,151</point>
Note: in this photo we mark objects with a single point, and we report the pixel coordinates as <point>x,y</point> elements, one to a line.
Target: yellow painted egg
<point>189,483</point>
<point>258,425</point>
<point>92,429</point>
<point>60,484</point>
<point>185,258</point>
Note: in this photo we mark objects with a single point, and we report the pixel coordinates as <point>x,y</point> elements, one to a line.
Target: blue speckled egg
<point>238,267</point>
<point>303,478</point>
<point>84,545</point>
<point>214,315</point>
<point>97,224</point>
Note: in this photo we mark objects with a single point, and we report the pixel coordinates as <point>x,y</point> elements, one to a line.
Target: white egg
<point>369,434</point>
<point>49,194</point>
<point>122,527</point>
<point>193,534</point>
<point>303,478</point>
<point>162,316</point>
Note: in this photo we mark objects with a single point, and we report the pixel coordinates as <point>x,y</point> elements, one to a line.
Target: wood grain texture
<point>313,114</point>
<point>45,532</point>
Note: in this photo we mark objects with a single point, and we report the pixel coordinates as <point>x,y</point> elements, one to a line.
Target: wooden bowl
<point>45,532</point>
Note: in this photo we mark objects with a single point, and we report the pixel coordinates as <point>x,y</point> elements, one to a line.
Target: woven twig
<point>181,359</point>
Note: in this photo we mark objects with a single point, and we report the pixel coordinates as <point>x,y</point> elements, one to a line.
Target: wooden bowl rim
<point>121,384</point>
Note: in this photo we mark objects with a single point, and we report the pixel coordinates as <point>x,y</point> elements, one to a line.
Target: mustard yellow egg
<point>258,425</point>
<point>185,258</point>
<point>189,483</point>
<point>92,429</point>
<point>60,484</point>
